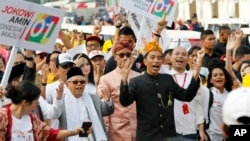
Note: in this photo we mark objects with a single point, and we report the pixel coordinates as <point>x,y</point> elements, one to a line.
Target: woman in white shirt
<point>220,84</point>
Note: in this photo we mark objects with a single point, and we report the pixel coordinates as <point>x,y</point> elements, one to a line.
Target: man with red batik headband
<point>125,129</point>
<point>154,94</point>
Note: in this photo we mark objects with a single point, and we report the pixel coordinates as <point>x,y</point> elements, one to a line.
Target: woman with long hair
<point>82,60</point>
<point>220,84</point>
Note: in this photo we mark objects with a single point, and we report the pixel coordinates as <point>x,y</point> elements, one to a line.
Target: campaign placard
<point>152,9</point>
<point>28,25</point>
<point>148,30</point>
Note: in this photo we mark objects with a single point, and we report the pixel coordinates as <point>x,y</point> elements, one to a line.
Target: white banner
<point>28,25</point>
<point>78,49</point>
<point>152,9</point>
<point>147,31</point>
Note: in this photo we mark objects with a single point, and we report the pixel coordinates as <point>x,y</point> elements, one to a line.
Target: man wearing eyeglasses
<point>79,107</point>
<point>64,62</point>
<point>126,34</point>
<point>93,43</point>
<point>125,129</point>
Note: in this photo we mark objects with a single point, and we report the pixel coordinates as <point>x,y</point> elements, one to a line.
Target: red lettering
<point>18,12</point>
<point>9,10</point>
<point>14,12</point>
<point>4,10</point>
<point>21,12</point>
<point>29,14</point>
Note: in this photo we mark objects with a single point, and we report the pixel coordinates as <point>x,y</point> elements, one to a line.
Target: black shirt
<point>207,58</point>
<point>220,49</point>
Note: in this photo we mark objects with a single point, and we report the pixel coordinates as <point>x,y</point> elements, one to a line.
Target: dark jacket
<point>155,119</point>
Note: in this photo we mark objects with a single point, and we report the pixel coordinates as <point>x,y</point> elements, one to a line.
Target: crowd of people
<point>127,95</point>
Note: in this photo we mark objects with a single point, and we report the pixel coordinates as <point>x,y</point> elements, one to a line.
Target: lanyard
<point>183,84</point>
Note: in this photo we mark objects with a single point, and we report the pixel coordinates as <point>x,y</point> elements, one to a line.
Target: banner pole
<point>143,22</point>
<point>7,72</point>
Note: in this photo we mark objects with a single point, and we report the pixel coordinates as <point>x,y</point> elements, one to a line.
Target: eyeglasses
<point>75,82</point>
<point>121,55</point>
<point>93,45</point>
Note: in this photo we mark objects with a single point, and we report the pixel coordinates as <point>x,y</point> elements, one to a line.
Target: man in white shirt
<point>63,63</point>
<point>188,115</point>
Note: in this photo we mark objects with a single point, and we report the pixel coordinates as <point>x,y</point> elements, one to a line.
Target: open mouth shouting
<point>156,67</point>
<point>179,61</point>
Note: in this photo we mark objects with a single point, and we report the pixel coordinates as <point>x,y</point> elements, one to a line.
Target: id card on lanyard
<point>185,108</point>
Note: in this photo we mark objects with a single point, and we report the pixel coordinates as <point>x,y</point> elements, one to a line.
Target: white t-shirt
<point>187,121</point>
<point>22,129</point>
<point>216,110</point>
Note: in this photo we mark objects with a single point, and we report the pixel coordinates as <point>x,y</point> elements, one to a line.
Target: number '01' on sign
<point>42,28</point>
<point>28,25</point>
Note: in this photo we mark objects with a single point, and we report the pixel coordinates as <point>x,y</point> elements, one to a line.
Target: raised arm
<point>118,25</point>
<point>73,36</point>
<point>97,30</point>
<point>198,64</point>
<point>53,111</point>
<point>231,44</point>
<point>65,40</point>
<point>44,77</point>
<point>126,91</point>
<point>161,25</point>
<point>239,35</point>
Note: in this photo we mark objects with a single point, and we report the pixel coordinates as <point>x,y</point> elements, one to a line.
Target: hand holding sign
<point>160,26</point>
<point>155,9</point>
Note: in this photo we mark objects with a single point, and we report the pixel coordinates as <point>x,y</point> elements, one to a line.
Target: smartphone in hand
<point>85,126</point>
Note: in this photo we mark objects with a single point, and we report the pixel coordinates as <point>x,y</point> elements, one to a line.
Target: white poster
<point>152,9</point>
<point>147,31</point>
<point>78,49</point>
<point>28,25</point>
